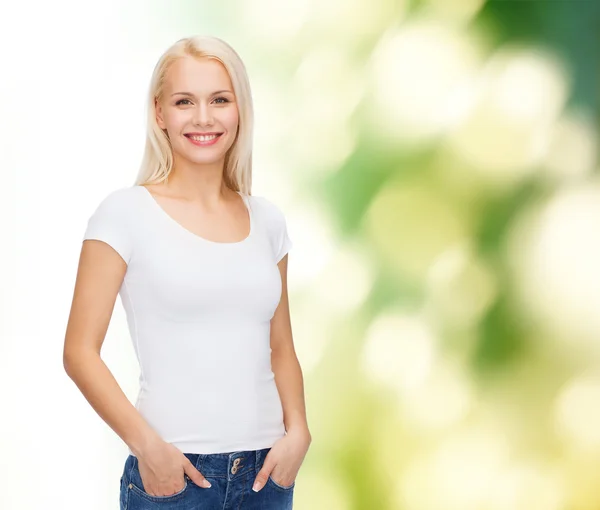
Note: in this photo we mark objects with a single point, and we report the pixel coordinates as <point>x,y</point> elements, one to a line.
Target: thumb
<point>195,475</point>
<point>263,475</point>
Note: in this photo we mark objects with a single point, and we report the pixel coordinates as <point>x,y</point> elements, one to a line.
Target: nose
<point>202,115</point>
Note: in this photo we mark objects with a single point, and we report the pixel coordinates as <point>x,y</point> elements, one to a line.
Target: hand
<point>162,467</point>
<point>283,461</point>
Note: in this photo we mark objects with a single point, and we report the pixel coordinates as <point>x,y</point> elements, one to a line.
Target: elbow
<point>75,358</point>
<point>283,352</point>
<point>68,362</point>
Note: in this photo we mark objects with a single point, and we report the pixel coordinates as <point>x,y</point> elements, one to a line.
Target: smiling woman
<point>201,267</point>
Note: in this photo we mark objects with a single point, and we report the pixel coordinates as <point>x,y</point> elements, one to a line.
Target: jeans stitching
<point>243,492</point>
<point>283,487</point>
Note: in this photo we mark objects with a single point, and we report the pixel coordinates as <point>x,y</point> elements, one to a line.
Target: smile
<point>203,140</point>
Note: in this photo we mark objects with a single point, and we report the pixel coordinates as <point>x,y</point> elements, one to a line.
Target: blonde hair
<point>157,161</point>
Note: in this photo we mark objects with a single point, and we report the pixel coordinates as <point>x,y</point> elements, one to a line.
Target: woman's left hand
<point>284,459</point>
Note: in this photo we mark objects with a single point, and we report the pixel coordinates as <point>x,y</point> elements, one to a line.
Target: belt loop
<point>200,462</point>
<point>133,463</point>
<point>257,460</point>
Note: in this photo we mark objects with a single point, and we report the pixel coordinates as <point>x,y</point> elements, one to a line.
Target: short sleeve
<point>109,223</point>
<point>284,243</point>
<point>278,231</point>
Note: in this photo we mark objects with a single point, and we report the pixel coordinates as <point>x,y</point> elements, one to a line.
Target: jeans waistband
<point>230,465</point>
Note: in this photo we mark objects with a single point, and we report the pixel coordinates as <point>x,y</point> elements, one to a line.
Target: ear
<point>159,115</point>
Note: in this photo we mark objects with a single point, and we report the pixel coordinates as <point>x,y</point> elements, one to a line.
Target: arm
<point>286,456</point>
<point>99,276</point>
<point>285,365</point>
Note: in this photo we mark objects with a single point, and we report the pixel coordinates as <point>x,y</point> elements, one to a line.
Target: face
<point>198,99</point>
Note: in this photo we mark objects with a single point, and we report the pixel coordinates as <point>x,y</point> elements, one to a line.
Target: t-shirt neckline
<point>188,232</point>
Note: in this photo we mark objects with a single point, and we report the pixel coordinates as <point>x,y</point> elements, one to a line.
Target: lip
<point>198,143</point>
<point>196,133</point>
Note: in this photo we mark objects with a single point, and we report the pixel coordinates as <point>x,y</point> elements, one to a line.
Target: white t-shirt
<point>199,313</point>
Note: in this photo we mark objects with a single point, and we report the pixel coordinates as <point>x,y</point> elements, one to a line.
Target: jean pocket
<point>139,491</point>
<point>279,486</point>
<point>135,487</point>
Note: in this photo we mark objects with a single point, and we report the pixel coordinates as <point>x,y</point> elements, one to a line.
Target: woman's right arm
<point>99,276</point>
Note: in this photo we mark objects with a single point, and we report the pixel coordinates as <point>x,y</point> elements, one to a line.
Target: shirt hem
<point>199,447</point>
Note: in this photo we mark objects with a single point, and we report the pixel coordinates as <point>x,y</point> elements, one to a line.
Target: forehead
<point>193,74</point>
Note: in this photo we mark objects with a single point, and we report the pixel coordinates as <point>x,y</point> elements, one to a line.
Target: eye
<point>225,100</point>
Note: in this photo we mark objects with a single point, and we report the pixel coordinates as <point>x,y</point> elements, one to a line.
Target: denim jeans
<point>231,475</point>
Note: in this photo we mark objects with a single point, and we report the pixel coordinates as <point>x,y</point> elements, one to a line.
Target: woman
<point>201,268</point>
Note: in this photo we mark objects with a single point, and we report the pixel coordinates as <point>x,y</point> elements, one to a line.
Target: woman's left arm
<point>288,453</point>
<point>285,364</point>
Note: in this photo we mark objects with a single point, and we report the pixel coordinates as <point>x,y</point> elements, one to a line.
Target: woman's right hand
<point>162,468</point>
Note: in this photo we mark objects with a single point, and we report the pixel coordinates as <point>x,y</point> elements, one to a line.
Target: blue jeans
<point>231,489</point>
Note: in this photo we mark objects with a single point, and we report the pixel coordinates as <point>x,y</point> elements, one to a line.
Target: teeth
<point>203,138</point>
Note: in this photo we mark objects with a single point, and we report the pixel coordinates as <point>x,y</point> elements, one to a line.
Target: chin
<point>207,160</point>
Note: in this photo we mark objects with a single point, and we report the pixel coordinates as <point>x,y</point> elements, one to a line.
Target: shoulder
<point>267,208</point>
<point>273,217</point>
<point>120,198</point>
<point>116,207</point>
<point>117,204</point>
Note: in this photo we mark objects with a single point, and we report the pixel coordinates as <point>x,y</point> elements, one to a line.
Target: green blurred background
<point>438,165</point>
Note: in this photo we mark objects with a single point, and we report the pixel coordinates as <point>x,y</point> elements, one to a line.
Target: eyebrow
<point>192,95</point>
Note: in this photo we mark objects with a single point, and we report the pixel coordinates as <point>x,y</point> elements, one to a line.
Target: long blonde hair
<point>157,161</point>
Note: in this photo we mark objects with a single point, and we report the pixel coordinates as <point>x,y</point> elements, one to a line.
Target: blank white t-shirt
<point>199,313</point>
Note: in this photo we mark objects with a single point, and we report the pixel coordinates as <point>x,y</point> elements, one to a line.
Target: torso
<point>198,310</point>
<point>199,313</point>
